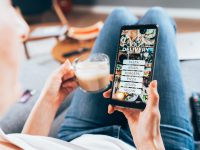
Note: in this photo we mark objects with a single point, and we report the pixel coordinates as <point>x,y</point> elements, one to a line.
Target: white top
<point>84,142</point>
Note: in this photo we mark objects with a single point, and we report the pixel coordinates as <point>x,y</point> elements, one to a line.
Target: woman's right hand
<point>144,124</point>
<point>59,85</point>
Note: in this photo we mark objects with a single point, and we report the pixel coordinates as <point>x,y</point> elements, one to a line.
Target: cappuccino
<point>93,76</point>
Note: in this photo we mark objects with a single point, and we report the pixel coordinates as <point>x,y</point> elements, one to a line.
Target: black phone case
<point>137,105</point>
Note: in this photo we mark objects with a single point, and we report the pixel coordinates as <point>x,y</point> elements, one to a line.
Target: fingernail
<point>154,83</point>
<point>68,64</point>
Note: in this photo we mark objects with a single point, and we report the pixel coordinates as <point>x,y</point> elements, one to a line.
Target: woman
<point>87,124</point>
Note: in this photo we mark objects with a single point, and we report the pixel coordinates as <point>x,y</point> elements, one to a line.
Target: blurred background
<point>85,13</point>
<point>36,10</point>
<point>67,29</point>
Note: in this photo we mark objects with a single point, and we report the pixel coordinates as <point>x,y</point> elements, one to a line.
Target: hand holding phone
<point>134,65</point>
<point>144,125</point>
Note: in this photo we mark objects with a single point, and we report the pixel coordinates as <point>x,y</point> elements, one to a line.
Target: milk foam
<point>92,76</point>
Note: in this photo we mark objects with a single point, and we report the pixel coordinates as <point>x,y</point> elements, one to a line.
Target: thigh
<point>173,109</point>
<point>89,111</point>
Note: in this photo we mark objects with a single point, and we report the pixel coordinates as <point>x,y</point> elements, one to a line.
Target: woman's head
<point>13,30</point>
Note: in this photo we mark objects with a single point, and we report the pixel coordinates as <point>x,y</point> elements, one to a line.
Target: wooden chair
<point>75,38</point>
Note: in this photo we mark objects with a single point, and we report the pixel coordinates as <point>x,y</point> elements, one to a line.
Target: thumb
<point>153,96</point>
<point>65,67</point>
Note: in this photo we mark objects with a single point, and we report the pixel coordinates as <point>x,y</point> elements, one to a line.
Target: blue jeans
<point>87,113</point>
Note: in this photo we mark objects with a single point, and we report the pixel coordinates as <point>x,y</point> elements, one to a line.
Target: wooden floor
<point>85,19</point>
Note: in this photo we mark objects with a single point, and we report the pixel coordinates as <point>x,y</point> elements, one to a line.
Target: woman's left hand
<point>60,84</point>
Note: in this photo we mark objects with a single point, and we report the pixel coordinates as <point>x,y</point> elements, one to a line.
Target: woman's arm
<point>41,117</point>
<point>144,125</point>
<point>8,146</point>
<point>59,85</point>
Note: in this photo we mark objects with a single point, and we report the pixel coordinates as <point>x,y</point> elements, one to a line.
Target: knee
<point>119,12</point>
<point>121,16</point>
<point>159,16</point>
<point>158,12</point>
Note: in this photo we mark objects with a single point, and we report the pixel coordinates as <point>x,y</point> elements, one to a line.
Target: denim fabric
<point>88,112</point>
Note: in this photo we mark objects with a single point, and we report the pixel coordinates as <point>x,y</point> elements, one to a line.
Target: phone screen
<point>134,64</point>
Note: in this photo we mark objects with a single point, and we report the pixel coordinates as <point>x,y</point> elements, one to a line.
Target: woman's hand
<point>60,84</point>
<point>144,125</point>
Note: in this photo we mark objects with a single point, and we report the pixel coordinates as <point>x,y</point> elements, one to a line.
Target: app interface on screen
<point>134,65</point>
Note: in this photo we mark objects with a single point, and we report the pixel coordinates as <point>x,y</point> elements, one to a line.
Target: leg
<point>175,124</point>
<point>88,112</point>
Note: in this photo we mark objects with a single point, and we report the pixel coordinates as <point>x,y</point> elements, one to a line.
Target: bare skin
<point>12,31</point>
<point>144,125</point>
<point>61,83</point>
<point>8,146</point>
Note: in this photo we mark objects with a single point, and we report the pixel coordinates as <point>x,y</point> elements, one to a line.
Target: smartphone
<point>134,65</point>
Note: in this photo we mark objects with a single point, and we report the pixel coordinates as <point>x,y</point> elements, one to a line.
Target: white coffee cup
<point>93,72</point>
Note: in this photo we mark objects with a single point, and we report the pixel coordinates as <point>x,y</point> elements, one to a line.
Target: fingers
<point>110,109</point>
<point>65,68</point>
<point>111,77</point>
<point>67,90</point>
<point>153,97</point>
<point>128,112</point>
<point>107,93</point>
<point>70,74</point>
<point>70,84</point>
<point>65,72</point>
